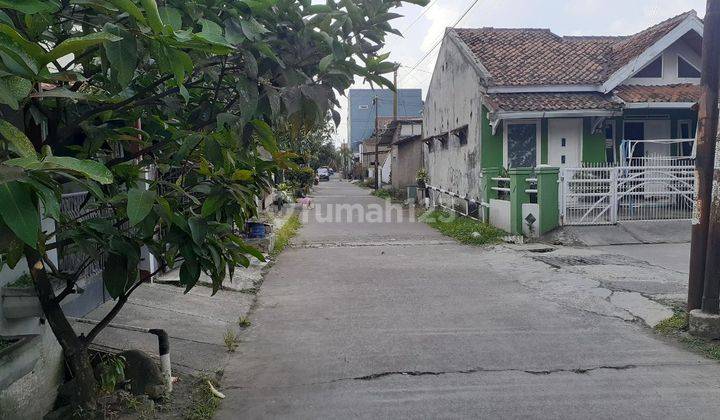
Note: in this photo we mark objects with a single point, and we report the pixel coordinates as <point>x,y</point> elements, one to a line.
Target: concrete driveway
<point>392,320</point>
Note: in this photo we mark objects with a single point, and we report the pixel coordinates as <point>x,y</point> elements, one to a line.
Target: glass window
<point>686,69</point>
<point>653,69</point>
<point>522,145</point>
<point>462,135</point>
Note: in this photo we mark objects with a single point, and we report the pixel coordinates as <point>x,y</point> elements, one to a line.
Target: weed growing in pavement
<point>676,327</point>
<point>204,403</point>
<point>231,340</point>
<point>287,232</point>
<point>383,193</point>
<point>464,229</point>
<point>244,322</point>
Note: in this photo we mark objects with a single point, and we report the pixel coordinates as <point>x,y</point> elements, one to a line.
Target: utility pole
<point>395,93</point>
<point>704,252</point>
<point>708,117</point>
<point>377,145</point>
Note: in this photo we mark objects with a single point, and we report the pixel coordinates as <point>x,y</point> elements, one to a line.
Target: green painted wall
<point>491,153</point>
<point>593,148</point>
<point>544,141</point>
<point>547,186</point>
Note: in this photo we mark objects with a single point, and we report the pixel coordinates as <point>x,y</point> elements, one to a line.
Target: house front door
<point>564,138</point>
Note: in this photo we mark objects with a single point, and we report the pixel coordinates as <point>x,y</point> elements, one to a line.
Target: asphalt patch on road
<point>584,260</point>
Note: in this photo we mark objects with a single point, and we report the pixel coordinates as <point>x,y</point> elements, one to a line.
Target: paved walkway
<point>392,320</point>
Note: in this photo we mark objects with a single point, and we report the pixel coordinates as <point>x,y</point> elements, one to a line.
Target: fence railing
<point>607,194</point>
<point>455,203</point>
<point>74,206</point>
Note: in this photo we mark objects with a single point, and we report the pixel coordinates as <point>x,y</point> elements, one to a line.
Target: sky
<point>563,17</point>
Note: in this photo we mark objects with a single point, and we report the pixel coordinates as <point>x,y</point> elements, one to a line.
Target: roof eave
<point>659,105</point>
<point>470,57</point>
<point>690,23</point>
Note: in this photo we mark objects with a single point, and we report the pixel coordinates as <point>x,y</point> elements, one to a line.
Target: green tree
<point>98,93</point>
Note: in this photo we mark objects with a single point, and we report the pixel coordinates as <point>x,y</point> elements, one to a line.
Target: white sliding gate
<point>659,190</point>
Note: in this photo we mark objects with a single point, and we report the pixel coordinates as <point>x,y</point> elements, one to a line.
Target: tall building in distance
<point>361,111</point>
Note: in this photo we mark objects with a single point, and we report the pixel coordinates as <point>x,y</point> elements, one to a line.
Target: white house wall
<point>453,101</point>
<point>670,64</point>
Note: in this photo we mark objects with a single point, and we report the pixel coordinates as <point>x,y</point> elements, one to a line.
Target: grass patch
<point>465,230</point>
<point>204,403</point>
<point>231,340</point>
<point>673,325</point>
<point>383,193</point>
<point>676,327</point>
<point>287,232</point>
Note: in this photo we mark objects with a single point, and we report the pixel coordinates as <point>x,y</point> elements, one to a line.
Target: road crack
<point>579,371</point>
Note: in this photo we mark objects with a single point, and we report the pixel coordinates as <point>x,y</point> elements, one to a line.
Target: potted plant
<point>421,178</point>
<point>19,299</point>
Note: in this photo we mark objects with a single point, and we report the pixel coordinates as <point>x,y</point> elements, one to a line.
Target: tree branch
<point>87,339</point>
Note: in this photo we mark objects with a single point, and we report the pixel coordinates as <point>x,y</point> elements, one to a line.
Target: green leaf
<point>318,8</point>
<point>267,138</point>
<point>171,16</point>
<point>211,205</point>
<point>79,44</point>
<point>252,29</point>
<point>89,168</point>
<point>49,197</point>
<point>116,275</point>
<point>326,61</point>
<point>131,9</point>
<point>7,97</point>
<point>17,139</point>
<point>189,274</point>
<point>139,204</point>
<point>10,173</point>
<point>242,175</point>
<point>122,55</point>
<point>233,31</point>
<point>19,213</point>
<point>33,49</point>
<point>248,97</point>
<point>198,229</point>
<point>30,6</point>
<point>153,15</point>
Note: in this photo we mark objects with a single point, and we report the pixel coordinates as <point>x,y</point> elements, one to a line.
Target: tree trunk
<point>84,387</point>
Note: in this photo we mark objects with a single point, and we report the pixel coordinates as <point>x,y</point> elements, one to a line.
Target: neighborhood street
<point>395,320</point>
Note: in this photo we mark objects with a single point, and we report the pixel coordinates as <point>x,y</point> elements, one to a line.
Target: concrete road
<point>392,320</point>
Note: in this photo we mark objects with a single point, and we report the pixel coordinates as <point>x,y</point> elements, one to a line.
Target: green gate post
<point>518,197</point>
<point>487,193</point>
<point>548,193</point>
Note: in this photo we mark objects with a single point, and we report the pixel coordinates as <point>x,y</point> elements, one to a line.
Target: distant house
<point>361,110</point>
<point>528,97</point>
<point>406,152</point>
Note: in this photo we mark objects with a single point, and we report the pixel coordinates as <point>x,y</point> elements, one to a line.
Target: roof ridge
<point>492,28</point>
<point>537,56</point>
<point>684,15</point>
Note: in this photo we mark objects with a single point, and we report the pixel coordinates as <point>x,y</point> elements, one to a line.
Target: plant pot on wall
<point>20,302</point>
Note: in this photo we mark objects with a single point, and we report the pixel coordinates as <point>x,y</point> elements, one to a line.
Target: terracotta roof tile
<point>550,101</point>
<point>522,57</point>
<point>670,93</point>
<point>626,50</point>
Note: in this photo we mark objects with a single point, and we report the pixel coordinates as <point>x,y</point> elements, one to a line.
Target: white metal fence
<point>451,201</point>
<point>662,189</point>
